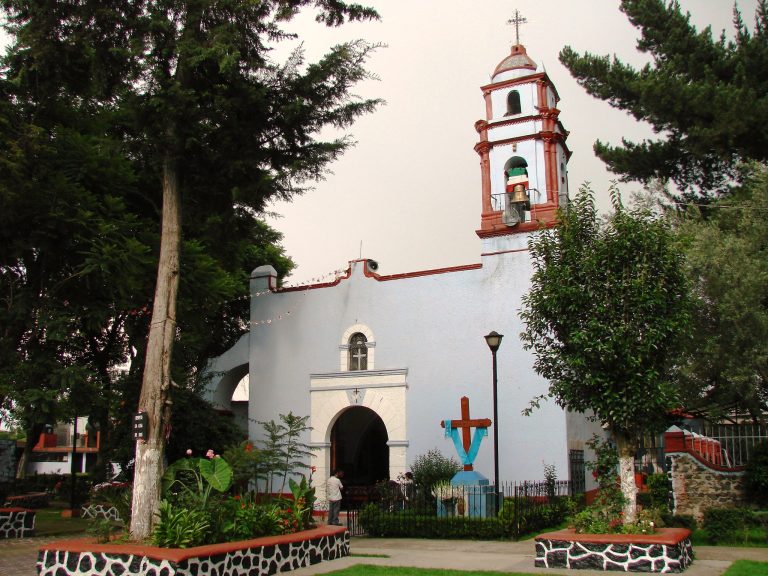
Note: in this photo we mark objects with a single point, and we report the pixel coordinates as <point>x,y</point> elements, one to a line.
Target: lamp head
<point>494,340</point>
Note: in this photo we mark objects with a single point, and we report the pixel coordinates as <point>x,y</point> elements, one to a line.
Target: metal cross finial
<point>516,21</point>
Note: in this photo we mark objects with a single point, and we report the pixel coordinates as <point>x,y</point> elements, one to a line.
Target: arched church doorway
<point>359,447</point>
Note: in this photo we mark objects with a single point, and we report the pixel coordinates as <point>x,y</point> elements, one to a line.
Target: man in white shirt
<point>333,494</point>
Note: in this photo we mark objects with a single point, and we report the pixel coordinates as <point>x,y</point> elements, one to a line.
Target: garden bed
<point>267,555</point>
<point>667,550</point>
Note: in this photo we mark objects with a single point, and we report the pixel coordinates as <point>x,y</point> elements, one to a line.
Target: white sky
<point>410,189</point>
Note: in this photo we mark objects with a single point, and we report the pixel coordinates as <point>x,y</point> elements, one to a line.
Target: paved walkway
<point>18,557</point>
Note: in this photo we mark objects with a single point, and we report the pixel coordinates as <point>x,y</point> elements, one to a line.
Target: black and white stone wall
<point>16,523</point>
<point>259,560</point>
<point>623,557</point>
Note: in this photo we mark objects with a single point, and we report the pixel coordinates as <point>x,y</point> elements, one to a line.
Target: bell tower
<point>523,155</point>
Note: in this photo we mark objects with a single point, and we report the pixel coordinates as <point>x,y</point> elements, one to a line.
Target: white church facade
<point>378,361</point>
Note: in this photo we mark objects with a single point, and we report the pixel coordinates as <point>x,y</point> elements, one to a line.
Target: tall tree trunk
<point>627,449</point>
<point>157,368</point>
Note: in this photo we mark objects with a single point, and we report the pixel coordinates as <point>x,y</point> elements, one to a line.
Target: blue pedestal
<point>474,497</point>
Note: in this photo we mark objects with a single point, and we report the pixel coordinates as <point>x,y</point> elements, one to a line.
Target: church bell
<point>518,195</point>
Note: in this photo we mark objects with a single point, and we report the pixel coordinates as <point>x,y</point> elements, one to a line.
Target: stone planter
<point>668,550</point>
<point>17,523</point>
<point>262,556</point>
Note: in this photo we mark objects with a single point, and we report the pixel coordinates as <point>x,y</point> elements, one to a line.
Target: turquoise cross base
<point>473,497</point>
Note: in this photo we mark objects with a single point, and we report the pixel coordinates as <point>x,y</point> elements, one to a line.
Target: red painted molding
<point>682,443</point>
<point>381,278</point>
<point>423,272</point>
<point>668,536</point>
<point>180,554</point>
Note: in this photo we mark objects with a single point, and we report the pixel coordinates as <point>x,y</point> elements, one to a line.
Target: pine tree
<point>707,97</point>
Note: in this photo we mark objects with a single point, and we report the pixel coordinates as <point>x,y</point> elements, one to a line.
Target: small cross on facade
<point>465,424</point>
<point>516,21</point>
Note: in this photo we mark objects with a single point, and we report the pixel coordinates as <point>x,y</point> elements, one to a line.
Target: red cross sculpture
<point>466,424</point>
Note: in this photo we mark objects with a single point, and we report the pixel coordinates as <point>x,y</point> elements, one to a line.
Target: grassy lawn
<point>753,537</point>
<point>738,568</point>
<point>747,568</point>
<point>48,522</point>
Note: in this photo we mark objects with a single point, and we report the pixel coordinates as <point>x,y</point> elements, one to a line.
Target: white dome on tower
<point>516,65</point>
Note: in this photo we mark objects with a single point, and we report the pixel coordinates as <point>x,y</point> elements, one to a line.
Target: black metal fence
<point>445,511</point>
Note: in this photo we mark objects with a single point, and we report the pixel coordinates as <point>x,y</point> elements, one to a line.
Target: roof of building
<point>518,59</point>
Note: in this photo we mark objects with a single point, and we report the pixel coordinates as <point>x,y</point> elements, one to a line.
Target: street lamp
<point>494,341</point>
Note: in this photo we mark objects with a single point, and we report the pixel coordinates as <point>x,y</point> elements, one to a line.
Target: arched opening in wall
<point>515,163</point>
<point>359,447</point>
<point>513,103</point>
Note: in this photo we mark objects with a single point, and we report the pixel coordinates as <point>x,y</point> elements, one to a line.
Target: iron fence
<point>736,440</point>
<point>446,511</point>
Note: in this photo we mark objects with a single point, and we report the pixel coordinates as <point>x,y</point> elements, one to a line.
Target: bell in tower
<point>523,154</point>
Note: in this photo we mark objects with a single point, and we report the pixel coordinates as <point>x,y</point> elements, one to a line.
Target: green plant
<point>756,475</point>
<point>179,527</point>
<point>550,479</point>
<point>303,501</point>
<point>242,518</point>
<point>604,514</point>
<point>433,467</point>
<point>103,529</point>
<point>115,494</point>
<point>283,453</point>
<point>197,477</point>
<point>244,460</point>
<point>726,524</point>
<point>679,521</point>
<point>646,522</point>
<point>658,490</point>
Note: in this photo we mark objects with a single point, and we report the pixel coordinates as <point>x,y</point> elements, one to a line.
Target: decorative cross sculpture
<point>466,448</point>
<point>516,21</point>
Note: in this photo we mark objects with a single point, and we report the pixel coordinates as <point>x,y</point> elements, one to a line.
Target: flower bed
<point>667,550</point>
<point>266,555</point>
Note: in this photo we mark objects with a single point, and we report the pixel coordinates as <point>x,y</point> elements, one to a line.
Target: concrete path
<point>18,557</point>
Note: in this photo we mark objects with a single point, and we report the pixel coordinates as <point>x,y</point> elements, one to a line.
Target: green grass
<point>738,568</point>
<point>48,522</point>
<point>747,568</point>
<point>754,537</point>
<point>370,570</point>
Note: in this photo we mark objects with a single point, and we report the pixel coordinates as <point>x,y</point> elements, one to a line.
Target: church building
<point>378,361</point>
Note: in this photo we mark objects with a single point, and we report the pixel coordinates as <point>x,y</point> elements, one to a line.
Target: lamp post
<point>494,341</point>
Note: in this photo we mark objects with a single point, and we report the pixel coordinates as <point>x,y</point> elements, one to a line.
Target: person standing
<point>333,494</point>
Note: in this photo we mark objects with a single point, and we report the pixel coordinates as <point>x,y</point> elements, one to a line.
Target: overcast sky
<point>409,191</point>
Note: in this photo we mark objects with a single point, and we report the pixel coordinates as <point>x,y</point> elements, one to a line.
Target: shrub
<point>756,475</point>
<point>432,467</point>
<point>179,527</point>
<point>658,490</point>
<point>410,525</point>
<point>725,524</point>
<point>680,521</point>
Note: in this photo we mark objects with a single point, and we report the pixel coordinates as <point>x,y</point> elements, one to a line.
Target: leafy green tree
<point>606,318</point>
<point>433,467</point>
<point>216,127</point>
<point>727,262</point>
<point>283,452</point>
<point>707,97</point>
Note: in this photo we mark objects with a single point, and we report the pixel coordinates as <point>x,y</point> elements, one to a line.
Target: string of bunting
<point>330,276</point>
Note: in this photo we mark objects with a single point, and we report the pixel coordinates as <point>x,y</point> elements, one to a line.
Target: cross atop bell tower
<point>516,21</point>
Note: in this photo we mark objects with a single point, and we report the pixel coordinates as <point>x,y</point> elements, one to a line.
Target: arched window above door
<point>358,352</point>
<point>357,349</point>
